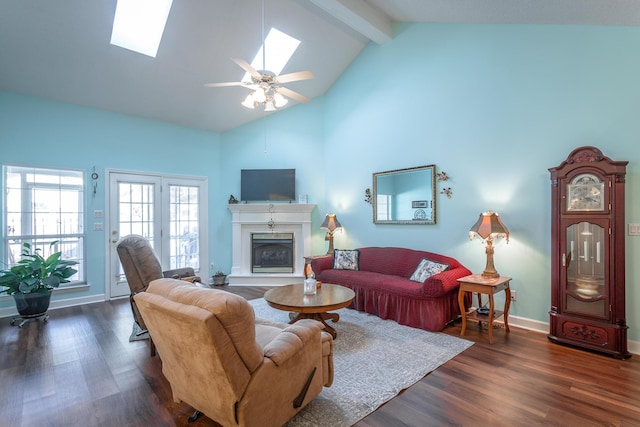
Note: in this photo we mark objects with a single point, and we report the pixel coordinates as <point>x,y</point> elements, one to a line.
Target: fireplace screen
<point>272,252</point>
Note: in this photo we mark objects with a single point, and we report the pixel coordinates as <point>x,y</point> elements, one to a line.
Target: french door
<point>169,211</point>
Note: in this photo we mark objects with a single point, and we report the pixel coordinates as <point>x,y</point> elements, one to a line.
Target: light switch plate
<point>634,229</point>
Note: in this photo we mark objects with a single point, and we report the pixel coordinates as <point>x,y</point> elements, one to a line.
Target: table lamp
<point>489,227</point>
<point>331,224</point>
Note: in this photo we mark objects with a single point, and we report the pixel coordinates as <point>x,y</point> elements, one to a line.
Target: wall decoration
<point>94,180</point>
<point>367,196</point>
<point>271,224</point>
<point>443,177</point>
<point>419,204</point>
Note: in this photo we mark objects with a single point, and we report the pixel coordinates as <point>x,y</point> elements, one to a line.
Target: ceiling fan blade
<point>294,77</point>
<point>293,95</point>
<point>226,84</point>
<point>248,68</point>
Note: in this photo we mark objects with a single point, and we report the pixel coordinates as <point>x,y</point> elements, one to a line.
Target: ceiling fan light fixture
<point>279,100</point>
<point>268,106</point>
<point>249,102</point>
<point>265,84</point>
<point>259,96</point>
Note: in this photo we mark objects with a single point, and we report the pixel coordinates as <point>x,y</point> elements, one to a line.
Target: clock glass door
<point>587,250</point>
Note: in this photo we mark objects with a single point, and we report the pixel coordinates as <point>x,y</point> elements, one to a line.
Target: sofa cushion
<point>427,268</point>
<point>344,259</point>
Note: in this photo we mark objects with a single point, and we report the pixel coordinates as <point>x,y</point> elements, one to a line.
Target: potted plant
<point>219,278</point>
<point>31,279</point>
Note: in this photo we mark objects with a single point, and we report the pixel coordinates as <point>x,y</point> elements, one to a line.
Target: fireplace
<point>272,252</point>
<point>247,219</point>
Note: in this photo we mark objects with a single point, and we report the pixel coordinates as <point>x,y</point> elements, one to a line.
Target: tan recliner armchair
<point>225,363</point>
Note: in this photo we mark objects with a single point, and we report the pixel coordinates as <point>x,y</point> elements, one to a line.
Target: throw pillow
<point>344,259</point>
<point>426,269</point>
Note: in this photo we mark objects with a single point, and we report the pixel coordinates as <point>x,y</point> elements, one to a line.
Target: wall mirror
<point>405,196</point>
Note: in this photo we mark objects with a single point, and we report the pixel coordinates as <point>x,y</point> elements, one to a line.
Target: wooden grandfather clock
<point>588,253</point>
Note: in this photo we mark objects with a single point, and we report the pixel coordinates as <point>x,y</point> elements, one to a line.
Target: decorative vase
<point>219,280</point>
<point>32,305</point>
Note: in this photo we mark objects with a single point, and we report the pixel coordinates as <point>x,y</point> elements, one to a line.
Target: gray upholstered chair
<point>225,363</point>
<point>141,265</point>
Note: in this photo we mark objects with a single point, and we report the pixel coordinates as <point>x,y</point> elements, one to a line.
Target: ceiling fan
<point>267,87</point>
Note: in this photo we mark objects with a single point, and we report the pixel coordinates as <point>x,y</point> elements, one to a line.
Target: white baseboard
<point>68,302</point>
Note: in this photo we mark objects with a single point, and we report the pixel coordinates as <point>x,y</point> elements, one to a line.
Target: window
<point>42,206</point>
<point>138,25</point>
<point>280,46</point>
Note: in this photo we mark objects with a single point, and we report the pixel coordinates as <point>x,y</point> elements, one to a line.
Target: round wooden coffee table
<point>329,297</point>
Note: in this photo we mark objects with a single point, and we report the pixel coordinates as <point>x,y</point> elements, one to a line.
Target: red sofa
<point>382,286</point>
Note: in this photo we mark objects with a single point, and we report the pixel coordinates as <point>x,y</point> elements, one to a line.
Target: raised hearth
<point>253,219</point>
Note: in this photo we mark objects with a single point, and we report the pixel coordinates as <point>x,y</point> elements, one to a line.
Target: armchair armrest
<point>187,274</point>
<point>291,340</point>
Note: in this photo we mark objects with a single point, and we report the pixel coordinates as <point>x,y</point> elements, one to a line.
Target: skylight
<point>139,24</point>
<point>280,48</point>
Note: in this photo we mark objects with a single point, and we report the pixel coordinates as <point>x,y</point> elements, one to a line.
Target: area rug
<point>374,360</point>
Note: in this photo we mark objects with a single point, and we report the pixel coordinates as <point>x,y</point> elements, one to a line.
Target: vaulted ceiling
<point>60,49</point>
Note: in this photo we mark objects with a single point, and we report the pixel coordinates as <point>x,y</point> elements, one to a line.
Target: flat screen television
<point>267,185</point>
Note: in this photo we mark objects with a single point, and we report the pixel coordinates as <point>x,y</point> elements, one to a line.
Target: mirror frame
<point>432,188</point>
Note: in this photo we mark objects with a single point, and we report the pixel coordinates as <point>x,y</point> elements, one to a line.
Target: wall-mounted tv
<point>267,185</point>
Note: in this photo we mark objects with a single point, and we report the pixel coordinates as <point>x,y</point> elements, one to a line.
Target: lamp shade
<point>489,224</point>
<point>331,223</point>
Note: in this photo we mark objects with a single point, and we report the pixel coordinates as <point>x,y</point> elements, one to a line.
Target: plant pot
<point>219,280</point>
<point>32,305</point>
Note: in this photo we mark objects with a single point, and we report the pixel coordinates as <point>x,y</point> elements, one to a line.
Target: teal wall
<point>494,106</point>
<point>38,132</point>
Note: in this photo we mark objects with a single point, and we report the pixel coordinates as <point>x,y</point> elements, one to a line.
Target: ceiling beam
<point>360,16</point>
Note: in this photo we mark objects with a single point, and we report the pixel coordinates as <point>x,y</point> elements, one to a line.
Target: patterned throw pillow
<point>346,259</point>
<point>426,269</point>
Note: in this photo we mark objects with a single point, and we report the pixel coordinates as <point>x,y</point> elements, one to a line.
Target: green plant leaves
<point>33,273</point>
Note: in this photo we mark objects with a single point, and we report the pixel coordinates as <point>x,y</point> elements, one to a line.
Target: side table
<point>484,285</point>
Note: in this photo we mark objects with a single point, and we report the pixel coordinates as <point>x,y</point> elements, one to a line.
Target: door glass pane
<point>136,211</point>
<point>184,226</point>
<point>586,284</point>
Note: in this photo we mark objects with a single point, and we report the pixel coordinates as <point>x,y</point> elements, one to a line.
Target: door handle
<point>114,236</point>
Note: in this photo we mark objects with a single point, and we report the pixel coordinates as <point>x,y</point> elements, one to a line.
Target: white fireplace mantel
<point>249,218</point>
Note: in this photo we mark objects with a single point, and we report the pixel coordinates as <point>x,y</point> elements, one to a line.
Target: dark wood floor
<point>79,369</point>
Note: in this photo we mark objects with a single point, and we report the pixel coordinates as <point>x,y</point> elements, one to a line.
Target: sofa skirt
<point>431,314</point>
